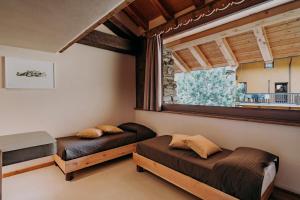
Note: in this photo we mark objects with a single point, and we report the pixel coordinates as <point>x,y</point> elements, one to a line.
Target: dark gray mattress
<point>72,147</point>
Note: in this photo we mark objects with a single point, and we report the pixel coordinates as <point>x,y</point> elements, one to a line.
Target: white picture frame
<point>22,73</point>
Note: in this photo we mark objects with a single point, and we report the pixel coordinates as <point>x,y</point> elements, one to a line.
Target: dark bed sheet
<point>72,147</point>
<point>184,161</point>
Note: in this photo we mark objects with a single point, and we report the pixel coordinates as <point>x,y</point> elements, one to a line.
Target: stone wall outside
<point>169,83</point>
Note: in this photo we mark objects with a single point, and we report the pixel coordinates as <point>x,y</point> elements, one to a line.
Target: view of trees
<point>214,87</point>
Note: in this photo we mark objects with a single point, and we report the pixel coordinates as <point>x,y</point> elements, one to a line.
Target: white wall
<point>92,86</point>
<point>283,141</point>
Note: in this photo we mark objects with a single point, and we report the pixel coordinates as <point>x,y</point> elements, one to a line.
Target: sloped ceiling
<point>48,25</point>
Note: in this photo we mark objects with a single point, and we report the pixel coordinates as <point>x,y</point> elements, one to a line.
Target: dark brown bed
<point>237,174</point>
<point>74,153</point>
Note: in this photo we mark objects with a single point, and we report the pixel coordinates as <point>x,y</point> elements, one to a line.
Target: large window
<point>248,85</point>
<point>250,72</point>
<point>216,90</point>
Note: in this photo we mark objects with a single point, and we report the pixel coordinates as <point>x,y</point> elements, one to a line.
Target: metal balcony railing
<point>272,98</point>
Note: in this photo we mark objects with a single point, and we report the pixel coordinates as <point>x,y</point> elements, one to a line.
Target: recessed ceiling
<point>48,25</point>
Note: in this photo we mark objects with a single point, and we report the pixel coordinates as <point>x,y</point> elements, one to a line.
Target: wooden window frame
<point>261,115</point>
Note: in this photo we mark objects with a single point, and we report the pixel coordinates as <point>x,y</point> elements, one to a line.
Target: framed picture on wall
<point>31,74</point>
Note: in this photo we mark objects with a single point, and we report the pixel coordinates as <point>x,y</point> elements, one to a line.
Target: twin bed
<point>244,173</point>
<point>74,153</point>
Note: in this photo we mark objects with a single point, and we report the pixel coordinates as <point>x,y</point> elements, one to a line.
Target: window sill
<point>260,115</point>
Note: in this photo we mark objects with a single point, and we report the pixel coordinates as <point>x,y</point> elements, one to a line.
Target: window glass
<point>247,85</point>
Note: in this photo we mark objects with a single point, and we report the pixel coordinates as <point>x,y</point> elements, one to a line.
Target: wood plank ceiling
<point>144,15</point>
<point>262,36</point>
<point>266,39</point>
<point>137,19</point>
<point>282,39</point>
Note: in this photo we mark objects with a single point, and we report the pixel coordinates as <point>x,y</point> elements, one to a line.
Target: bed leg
<point>139,169</point>
<point>69,176</point>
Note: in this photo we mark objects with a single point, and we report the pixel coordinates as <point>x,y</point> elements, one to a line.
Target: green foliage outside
<point>215,87</point>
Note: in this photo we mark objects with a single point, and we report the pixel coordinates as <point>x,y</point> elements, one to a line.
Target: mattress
<point>72,147</point>
<point>188,162</point>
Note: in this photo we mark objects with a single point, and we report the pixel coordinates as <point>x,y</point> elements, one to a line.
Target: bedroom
<point>99,67</point>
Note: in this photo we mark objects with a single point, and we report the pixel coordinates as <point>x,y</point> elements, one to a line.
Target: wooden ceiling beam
<point>199,11</point>
<point>277,15</point>
<point>98,23</point>
<point>118,29</point>
<point>180,63</point>
<point>227,52</point>
<point>263,43</point>
<point>129,24</point>
<point>156,22</point>
<point>163,19</point>
<point>185,11</point>
<point>109,42</point>
<point>167,14</point>
<point>136,17</point>
<point>200,57</point>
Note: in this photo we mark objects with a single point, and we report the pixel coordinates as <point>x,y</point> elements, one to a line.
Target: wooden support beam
<point>127,22</point>
<point>136,17</point>
<point>227,52</point>
<point>199,11</point>
<point>185,11</point>
<point>156,22</point>
<point>200,57</point>
<point>118,29</point>
<point>271,16</point>
<point>98,23</point>
<point>109,42</point>
<point>180,63</point>
<point>263,43</point>
<point>165,12</point>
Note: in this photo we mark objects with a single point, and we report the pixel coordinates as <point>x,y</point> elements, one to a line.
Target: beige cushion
<point>202,146</point>
<point>109,129</point>
<point>178,141</point>
<point>90,133</point>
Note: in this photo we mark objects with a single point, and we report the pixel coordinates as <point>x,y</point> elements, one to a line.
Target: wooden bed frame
<point>187,183</point>
<point>70,166</point>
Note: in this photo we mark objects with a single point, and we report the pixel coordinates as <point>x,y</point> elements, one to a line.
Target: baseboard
<point>27,169</point>
<point>287,192</point>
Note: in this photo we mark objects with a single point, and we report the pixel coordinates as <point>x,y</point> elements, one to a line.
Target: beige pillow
<point>178,141</point>
<point>90,133</point>
<point>109,129</point>
<point>202,146</point>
